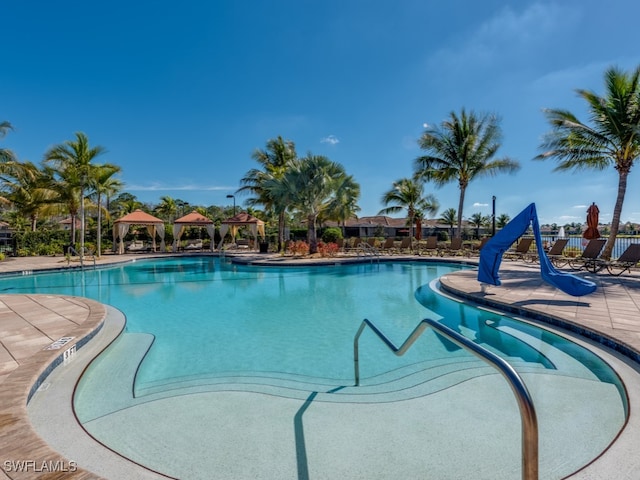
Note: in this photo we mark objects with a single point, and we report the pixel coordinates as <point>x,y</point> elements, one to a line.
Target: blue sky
<point>181,94</point>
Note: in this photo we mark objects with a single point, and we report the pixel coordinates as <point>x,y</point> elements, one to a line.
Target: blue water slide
<point>492,252</point>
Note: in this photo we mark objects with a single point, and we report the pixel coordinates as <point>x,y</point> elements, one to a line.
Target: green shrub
<point>331,235</point>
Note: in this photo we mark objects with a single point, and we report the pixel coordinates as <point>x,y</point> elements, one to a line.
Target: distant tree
<point>408,194</point>
<point>449,217</point>
<point>460,150</point>
<point>478,220</point>
<point>167,209</point>
<point>28,190</point>
<point>612,139</point>
<point>124,203</point>
<point>502,220</point>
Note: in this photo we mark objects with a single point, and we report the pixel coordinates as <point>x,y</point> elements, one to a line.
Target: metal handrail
<point>523,397</point>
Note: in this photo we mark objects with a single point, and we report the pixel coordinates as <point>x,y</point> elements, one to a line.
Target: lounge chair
<point>476,249</point>
<point>589,258</point>
<point>454,248</point>
<point>521,250</point>
<point>629,259</point>
<point>405,245</point>
<point>197,245</point>
<point>389,246</point>
<point>555,255</point>
<point>351,244</point>
<point>137,246</point>
<point>430,246</point>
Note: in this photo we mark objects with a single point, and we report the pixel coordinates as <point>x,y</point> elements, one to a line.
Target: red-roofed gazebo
<point>192,219</point>
<point>154,225</point>
<point>255,225</point>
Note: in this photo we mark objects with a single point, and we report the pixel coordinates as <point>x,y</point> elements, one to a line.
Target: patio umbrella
<point>592,223</point>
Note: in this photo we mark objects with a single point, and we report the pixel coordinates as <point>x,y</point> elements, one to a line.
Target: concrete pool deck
<point>30,323</point>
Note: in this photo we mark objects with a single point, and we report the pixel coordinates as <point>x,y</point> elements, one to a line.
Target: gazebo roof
<point>139,217</point>
<point>243,218</point>
<point>194,218</point>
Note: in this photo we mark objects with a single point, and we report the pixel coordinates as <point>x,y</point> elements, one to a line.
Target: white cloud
<point>478,204</point>
<point>508,36</point>
<point>331,140</point>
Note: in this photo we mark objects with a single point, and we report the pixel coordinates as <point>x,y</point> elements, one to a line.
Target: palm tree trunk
<point>281,221</point>
<point>99,239</point>
<point>460,206</point>
<point>617,211</point>
<point>312,234</point>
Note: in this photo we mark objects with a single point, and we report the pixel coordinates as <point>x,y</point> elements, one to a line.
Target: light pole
<point>234,203</point>
<point>493,216</point>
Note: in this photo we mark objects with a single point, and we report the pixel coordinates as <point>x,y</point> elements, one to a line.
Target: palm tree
<point>28,190</point>
<point>502,220</point>
<point>310,186</point>
<point>71,163</point>
<point>274,160</point>
<point>167,208</point>
<point>7,160</point>
<point>345,202</point>
<point>479,221</point>
<point>6,155</point>
<point>613,139</point>
<point>124,203</point>
<point>102,182</point>
<point>408,194</point>
<point>462,149</point>
<point>449,217</point>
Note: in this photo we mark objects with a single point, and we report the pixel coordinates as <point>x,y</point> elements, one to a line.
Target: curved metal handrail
<point>523,397</point>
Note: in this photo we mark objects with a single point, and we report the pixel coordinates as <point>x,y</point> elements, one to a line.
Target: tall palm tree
<point>408,194</point>
<point>462,149</point>
<point>274,161</point>
<point>102,183</point>
<point>449,217</point>
<point>310,186</point>
<point>612,140</point>
<point>71,163</point>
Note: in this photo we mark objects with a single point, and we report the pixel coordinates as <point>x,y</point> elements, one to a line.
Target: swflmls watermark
<point>39,466</point>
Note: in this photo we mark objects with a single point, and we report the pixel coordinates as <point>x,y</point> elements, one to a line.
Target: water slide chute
<point>492,252</point>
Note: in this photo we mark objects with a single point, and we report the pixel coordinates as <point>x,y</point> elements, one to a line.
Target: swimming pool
<point>198,328</point>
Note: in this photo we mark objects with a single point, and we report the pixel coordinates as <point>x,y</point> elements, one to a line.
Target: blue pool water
<point>207,320</point>
<point>213,318</point>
